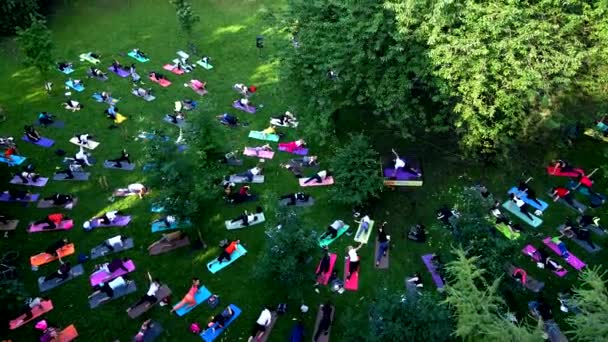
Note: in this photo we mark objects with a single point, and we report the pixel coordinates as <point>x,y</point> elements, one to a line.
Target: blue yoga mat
<point>138,58</point>
<point>15,160</point>
<point>160,226</point>
<point>209,335</point>
<point>78,88</point>
<point>524,197</point>
<point>215,267</point>
<point>513,209</point>
<point>202,295</point>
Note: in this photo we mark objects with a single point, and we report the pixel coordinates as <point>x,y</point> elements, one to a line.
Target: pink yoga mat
<point>260,154</point>
<point>353,283</point>
<point>299,151</point>
<point>162,83</point>
<point>170,67</point>
<point>64,225</point>
<point>572,260</point>
<point>101,276</point>
<point>323,278</point>
<point>529,249</point>
<point>327,181</point>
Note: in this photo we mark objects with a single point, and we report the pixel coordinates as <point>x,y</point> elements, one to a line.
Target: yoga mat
<point>101,297</point>
<point>214,331</point>
<point>159,247</point>
<point>248,109</point>
<point>200,296</point>
<point>524,197</point>
<point>214,266</point>
<point>383,260</point>
<point>175,70</point>
<point>362,237</point>
<point>263,136</point>
<point>91,145</point>
<point>45,258</point>
<point>199,91</point>
<point>514,209</point>
<point>239,179</point>
<point>43,142</point>
<point>119,221</point>
<point>583,190</point>
<point>120,72</point>
<point>301,151</point>
<point>530,251</point>
<point>153,332</point>
<point>39,183</point>
<point>504,229</point>
<point>37,311</point>
<point>98,98</point>
<point>204,65</point>
<point>10,225</point>
<point>14,160</point>
<point>101,276</point>
<point>328,240</point>
<point>78,176</point>
<point>531,283</point>
<point>78,88</point>
<point>323,278</point>
<point>180,122</point>
<point>584,245</point>
<point>42,204</point>
<point>44,286</point>
<point>132,54</point>
<point>597,229</point>
<point>125,166</point>
<point>102,250</point>
<point>258,218</point>
<point>163,292</point>
<point>119,118</point>
<point>147,98</point>
<point>234,162</point>
<point>162,83</point>
<point>159,226</point>
<point>286,201</point>
<point>323,337</point>
<point>56,124</point>
<point>327,181</point>
<point>273,321</point>
<point>66,71</point>
<point>595,133</point>
<point>68,334</point>
<point>429,265</point>
<point>277,122</point>
<point>572,260</point>
<point>63,225</point>
<point>552,171</point>
<point>100,78</point>
<point>87,57</point>
<point>576,203</point>
<point>353,283</point>
<point>157,208</point>
<point>250,152</point>
<point>5,197</point>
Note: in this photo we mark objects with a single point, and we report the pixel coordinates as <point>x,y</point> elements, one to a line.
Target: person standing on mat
<point>325,323</point>
<point>60,199</point>
<point>559,192</point>
<point>31,133</point>
<point>261,324</point>
<point>227,252</point>
<point>332,230</point>
<point>189,298</point>
<point>523,206</point>
<point>400,163</point>
<point>383,243</point>
<point>324,265</point>
<point>51,221</point>
<point>530,193</point>
<point>319,177</point>
<point>62,273</point>
<point>150,297</point>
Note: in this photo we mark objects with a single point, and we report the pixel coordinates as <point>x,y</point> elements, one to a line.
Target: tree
<point>186,17</point>
<point>356,171</point>
<point>391,317</point>
<point>15,13</point>
<point>36,44</point>
<point>478,310</point>
<point>591,297</point>
<point>12,297</point>
<point>288,252</point>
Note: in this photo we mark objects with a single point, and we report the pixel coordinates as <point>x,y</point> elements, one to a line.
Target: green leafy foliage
<point>12,296</point>
<point>356,171</point>
<point>36,44</point>
<point>591,297</point>
<point>185,15</point>
<point>15,13</point>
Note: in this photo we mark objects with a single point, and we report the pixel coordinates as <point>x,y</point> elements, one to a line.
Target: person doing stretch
<point>251,173</point>
<point>530,193</point>
<point>150,297</point>
<point>326,320</point>
<point>53,249</point>
<point>324,265</point>
<point>319,177</point>
<point>365,223</point>
<point>51,221</point>
<point>220,319</point>
<point>227,252</point>
<point>294,198</point>
<point>109,288</point>
<point>332,230</point>
<point>113,266</point>
<point>60,199</point>
<point>353,265</point>
<point>115,242</point>
<point>261,324</point>
<point>31,133</point>
<point>523,206</point>
<point>559,192</point>
<point>189,297</point>
<point>62,273</point>
<point>402,164</point>
<point>108,217</point>
<point>26,177</point>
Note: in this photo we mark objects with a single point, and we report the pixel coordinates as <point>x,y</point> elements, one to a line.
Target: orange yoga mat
<point>68,334</point>
<point>43,258</point>
<point>36,312</point>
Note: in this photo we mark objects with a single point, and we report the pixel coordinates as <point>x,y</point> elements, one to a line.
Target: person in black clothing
<point>444,214</point>
<point>31,133</point>
<point>573,230</point>
<point>417,233</point>
<point>52,249</point>
<point>530,193</point>
<point>60,199</point>
<point>383,243</point>
<point>61,274</point>
<point>325,263</point>
<point>326,320</point>
<point>4,219</point>
<point>124,157</point>
<point>296,197</point>
<point>15,194</point>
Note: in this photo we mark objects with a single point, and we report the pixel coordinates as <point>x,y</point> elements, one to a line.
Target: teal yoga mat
<point>513,209</point>
<point>215,267</point>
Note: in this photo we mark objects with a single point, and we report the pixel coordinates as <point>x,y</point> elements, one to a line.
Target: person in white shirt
<point>82,158</point>
<point>402,164</point>
<point>167,221</point>
<point>109,287</point>
<point>73,105</point>
<point>251,173</point>
<point>109,217</point>
<point>115,242</point>
<point>83,139</point>
<point>353,266</point>
<point>523,206</point>
<point>137,189</point>
<point>332,230</point>
<point>263,322</point>
<point>319,177</point>
<point>150,297</point>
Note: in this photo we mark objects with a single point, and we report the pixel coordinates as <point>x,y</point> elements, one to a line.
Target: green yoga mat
<point>328,241</point>
<point>512,207</point>
<point>504,229</point>
<point>261,136</point>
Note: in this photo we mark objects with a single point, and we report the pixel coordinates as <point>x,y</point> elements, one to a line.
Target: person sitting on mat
<point>324,265</point>
<point>365,222</point>
<point>353,266</point>
<point>30,304</point>
<point>140,54</point>
<point>400,163</point>
<point>220,319</point>
<point>560,192</point>
<point>145,327</point>
<point>189,297</point>
<point>45,119</point>
<point>51,221</point>
<point>417,233</point>
<point>319,177</point>
<point>326,320</point>
<point>287,119</point>
<point>116,65</point>
<point>383,243</point>
<point>332,230</point>
<point>573,230</point>
<point>56,246</point>
<point>124,157</point>
<point>245,218</point>
<point>261,324</point>
<point>156,76</point>
<point>16,194</point>
<point>294,198</point>
<point>26,177</point>
<point>227,252</point>
<point>115,242</point>
<point>73,105</point>
<point>167,221</point>
<point>31,133</point>
<point>60,199</point>
<point>81,157</point>
<point>241,88</point>
<point>227,119</point>
<point>62,273</point>
<point>309,161</point>
<point>254,171</point>
<point>109,287</point>
<point>150,297</point>
<point>244,102</point>
<point>523,206</point>
<point>294,168</point>
<point>63,66</point>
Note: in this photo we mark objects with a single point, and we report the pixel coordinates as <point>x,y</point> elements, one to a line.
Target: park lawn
<point>226,33</point>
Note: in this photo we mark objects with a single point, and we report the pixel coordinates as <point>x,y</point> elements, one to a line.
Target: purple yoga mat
<point>119,221</point>
<point>44,142</point>
<point>572,260</point>
<point>121,72</point>
<point>101,276</point>
<point>31,198</point>
<point>401,174</point>
<point>529,249</point>
<point>249,109</point>
<point>429,265</point>
<point>302,151</point>
<point>40,182</point>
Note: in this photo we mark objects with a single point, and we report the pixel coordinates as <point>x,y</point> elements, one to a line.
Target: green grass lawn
<point>226,33</point>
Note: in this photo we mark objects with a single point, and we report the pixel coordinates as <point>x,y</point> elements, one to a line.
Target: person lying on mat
<point>109,287</point>
<point>60,199</point>
<point>145,327</point>
<point>31,133</point>
<point>198,85</point>
<point>124,157</point>
<point>417,233</point>
<point>16,194</point>
<point>263,148</point>
<point>28,307</point>
<point>10,152</point>
<point>136,188</point>
<point>294,168</point>
<point>523,186</point>
<point>241,196</point>
<point>115,242</point>
<point>167,221</point>
<point>544,260</point>
<point>45,119</point>
<point>251,173</point>
<point>319,177</point>
<point>69,171</point>
<point>112,266</point>
<point>365,222</point>
<point>169,239</point>
<point>324,265</point>
<point>4,218</point>
<point>400,163</point>
<point>26,176</point>
<point>116,65</point>
<point>93,71</point>
<point>293,145</point>
<point>245,218</point>
<point>227,119</point>
<point>523,206</point>
<point>563,166</point>
<point>559,192</point>
<point>383,243</point>
<point>573,230</point>
<point>177,116</point>
<point>294,198</point>
<point>189,297</point>
<point>520,275</point>
<point>326,320</point>
<point>498,214</point>
<point>287,119</point>
<point>51,221</point>
<point>220,319</point>
<point>156,76</point>
<point>73,105</point>
<point>62,273</point>
<point>416,279</point>
<point>82,158</point>
<point>244,102</point>
<point>56,246</point>
<point>227,252</point>
<point>76,83</point>
<point>306,161</point>
<point>332,230</point>
<point>150,297</point>
<point>263,322</point>
<point>63,66</point>
<point>140,54</point>
<point>135,78</point>
<point>353,266</point>
<point>141,92</point>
